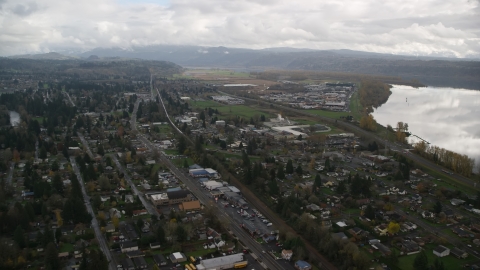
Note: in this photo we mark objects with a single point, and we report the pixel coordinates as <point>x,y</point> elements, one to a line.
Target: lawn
<point>179,162</point>
<point>450,262</point>
<point>66,247</point>
<point>230,110</point>
<point>171,151</point>
<point>39,119</point>
<point>329,114</point>
<point>200,252</point>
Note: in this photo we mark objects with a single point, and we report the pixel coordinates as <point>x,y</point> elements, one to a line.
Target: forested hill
<point>459,73</point>
<point>100,69</point>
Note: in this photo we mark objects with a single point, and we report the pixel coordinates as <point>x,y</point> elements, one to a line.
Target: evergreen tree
<point>57,184</point>
<point>341,188</point>
<point>280,172</point>
<point>181,145</point>
<point>437,265</point>
<point>19,237</point>
<point>273,187</point>
<point>299,170</point>
<point>369,212</point>
<point>437,208</point>
<point>327,164</point>
<point>181,234</point>
<point>289,167</point>
<point>317,184</point>
<point>421,261</point>
<point>161,235</point>
<point>52,262</point>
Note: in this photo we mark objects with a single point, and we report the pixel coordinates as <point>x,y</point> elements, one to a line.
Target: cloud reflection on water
<point>447,117</point>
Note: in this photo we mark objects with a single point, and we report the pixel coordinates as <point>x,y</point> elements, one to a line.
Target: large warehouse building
<point>224,262</point>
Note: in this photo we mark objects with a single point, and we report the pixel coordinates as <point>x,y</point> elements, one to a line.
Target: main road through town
<point>254,246</point>
<point>236,229</point>
<point>98,233</point>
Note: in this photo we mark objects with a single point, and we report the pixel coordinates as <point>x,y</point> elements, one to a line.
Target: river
<point>14,118</point>
<point>446,117</point>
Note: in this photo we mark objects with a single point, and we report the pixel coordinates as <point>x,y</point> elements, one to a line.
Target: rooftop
<point>220,261</point>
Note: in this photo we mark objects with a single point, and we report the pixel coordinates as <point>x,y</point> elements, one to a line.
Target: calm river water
<point>446,117</point>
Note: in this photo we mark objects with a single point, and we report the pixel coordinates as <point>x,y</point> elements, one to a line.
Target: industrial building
<point>224,262</point>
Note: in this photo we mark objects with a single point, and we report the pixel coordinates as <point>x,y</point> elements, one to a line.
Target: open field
<point>450,262</point>
<point>224,76</point>
<point>231,110</point>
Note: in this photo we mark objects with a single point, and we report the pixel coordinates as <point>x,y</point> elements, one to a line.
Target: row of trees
<point>459,163</point>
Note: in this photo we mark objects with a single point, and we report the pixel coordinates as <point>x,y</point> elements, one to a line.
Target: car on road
<point>269,224</point>
<point>238,212</point>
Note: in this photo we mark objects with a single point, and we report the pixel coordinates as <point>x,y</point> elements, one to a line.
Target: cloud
<point>435,27</point>
<point>25,9</point>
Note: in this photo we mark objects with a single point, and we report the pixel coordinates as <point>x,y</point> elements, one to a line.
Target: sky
<point>412,27</point>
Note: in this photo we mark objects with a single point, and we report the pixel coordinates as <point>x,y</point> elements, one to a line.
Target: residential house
<point>302,265</point>
<point>141,212</point>
<point>110,228</point>
<point>127,264</point>
<point>381,229</point>
<point>154,245</point>
<point>356,232</point>
<point>128,246</point>
<point>340,235</point>
<point>140,263</point>
<point>461,254</point>
<point>409,247</point>
<point>382,248</point>
<point>159,259</point>
<point>287,254</point>
<point>441,251</point>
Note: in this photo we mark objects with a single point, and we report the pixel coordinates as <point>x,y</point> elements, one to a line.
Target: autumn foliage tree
<point>367,122</point>
<point>459,163</point>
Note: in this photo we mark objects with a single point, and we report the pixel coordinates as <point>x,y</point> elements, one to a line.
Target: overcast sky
<point>418,27</point>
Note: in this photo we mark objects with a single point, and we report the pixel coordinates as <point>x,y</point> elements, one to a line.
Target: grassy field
<point>39,119</point>
<point>230,110</point>
<point>450,262</point>
<point>207,74</point>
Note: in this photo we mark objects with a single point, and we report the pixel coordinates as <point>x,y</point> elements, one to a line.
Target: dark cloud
<point>25,9</point>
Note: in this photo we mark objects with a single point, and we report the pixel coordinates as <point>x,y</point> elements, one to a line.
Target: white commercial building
<point>212,185</point>
<point>224,262</point>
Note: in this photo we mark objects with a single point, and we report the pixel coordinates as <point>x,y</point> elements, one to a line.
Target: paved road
<point>10,173</point>
<point>101,240</point>
<point>85,144</point>
<point>378,139</point>
<point>69,98</point>
<point>266,211</point>
<point>254,246</point>
<point>36,150</point>
<point>150,208</point>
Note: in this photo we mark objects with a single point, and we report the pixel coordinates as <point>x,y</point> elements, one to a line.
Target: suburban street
<point>85,144</point>
<point>10,172</point>
<point>98,234</point>
<point>150,208</point>
<point>252,199</point>
<point>254,246</point>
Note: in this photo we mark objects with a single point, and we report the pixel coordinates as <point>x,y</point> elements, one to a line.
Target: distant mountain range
<point>435,71</point>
